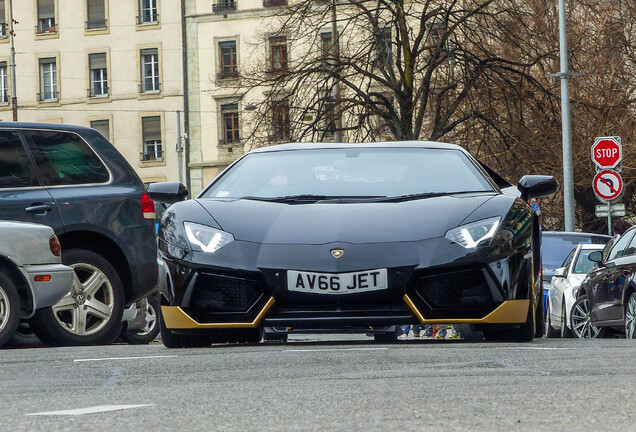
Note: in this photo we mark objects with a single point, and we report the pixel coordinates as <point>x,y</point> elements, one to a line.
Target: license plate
<point>337,283</point>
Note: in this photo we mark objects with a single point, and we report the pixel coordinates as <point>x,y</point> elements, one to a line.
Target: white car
<point>32,275</point>
<point>563,287</point>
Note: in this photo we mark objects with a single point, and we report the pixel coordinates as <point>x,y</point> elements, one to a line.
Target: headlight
<point>206,239</point>
<point>473,234</point>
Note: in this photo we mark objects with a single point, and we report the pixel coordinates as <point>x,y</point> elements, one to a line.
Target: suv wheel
<point>91,313</point>
<point>151,331</point>
<point>9,308</point>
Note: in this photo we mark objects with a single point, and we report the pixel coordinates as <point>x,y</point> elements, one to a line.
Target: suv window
<point>65,159</point>
<point>621,245</point>
<point>14,164</point>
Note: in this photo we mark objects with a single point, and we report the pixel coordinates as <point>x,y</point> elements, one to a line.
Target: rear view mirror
<point>596,256</point>
<point>167,192</point>
<point>537,186</point>
<point>560,272</point>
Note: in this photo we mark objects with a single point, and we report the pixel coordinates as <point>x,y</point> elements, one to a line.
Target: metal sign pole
<point>609,218</point>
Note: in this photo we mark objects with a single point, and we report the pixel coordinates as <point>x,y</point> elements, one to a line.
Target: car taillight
<point>147,207</point>
<point>55,245</point>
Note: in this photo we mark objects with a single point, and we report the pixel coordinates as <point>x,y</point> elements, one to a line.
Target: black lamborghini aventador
<point>350,237</point>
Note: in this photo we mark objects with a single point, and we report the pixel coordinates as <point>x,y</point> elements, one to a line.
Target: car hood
<point>328,222</point>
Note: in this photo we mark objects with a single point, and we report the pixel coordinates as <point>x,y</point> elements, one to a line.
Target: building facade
<point>114,65</point>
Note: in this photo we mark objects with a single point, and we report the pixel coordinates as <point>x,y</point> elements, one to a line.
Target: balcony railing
<point>154,87</point>
<point>273,3</point>
<point>227,74</point>
<point>45,26</point>
<point>156,155</point>
<point>97,92</point>
<point>148,19</point>
<point>96,24</point>
<point>223,6</point>
<point>48,96</point>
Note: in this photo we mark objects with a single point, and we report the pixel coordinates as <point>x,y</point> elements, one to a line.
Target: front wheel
<point>630,317</point>
<point>525,333</point>
<point>172,339</point>
<point>9,308</point>
<point>550,332</point>
<point>151,330</point>
<point>580,321</point>
<point>91,313</point>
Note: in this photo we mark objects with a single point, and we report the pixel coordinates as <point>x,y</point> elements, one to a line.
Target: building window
<point>327,50</point>
<point>48,79</point>
<point>278,53</point>
<point>224,5</point>
<point>227,60</point>
<point>148,12</point>
<point>384,55</point>
<point>151,131</point>
<point>280,121</point>
<point>329,118</point>
<point>149,71</point>
<point>46,16</point>
<point>230,118</point>
<point>96,11</point>
<point>99,75</point>
<point>4,89</point>
<point>3,20</point>
<point>102,126</point>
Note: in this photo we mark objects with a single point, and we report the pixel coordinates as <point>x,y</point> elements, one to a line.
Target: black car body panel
<point>107,212</point>
<point>430,278</point>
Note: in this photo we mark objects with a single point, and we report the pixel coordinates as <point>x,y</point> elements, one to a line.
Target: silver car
<point>32,275</point>
<point>563,287</point>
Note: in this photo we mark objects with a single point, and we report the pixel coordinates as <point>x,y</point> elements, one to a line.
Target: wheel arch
<point>24,291</point>
<point>104,246</point>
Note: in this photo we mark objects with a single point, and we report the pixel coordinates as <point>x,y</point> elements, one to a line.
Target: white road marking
<point>536,348</point>
<point>90,410</point>
<point>334,349</point>
<point>123,358</point>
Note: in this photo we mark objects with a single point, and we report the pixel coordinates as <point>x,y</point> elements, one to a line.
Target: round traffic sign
<point>607,152</point>
<point>607,185</point>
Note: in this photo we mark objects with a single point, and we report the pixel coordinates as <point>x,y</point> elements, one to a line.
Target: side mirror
<point>560,272</point>
<point>596,256</point>
<point>537,186</point>
<point>167,192</point>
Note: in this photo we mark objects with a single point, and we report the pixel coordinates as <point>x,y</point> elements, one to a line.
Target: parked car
<point>349,236</point>
<point>610,289</point>
<point>563,288</point>
<point>73,180</point>
<point>555,247</point>
<point>32,275</point>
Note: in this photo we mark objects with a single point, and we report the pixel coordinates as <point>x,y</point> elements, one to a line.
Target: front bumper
<point>48,293</point>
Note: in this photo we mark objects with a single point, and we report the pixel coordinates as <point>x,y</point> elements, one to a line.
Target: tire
<point>9,309</point>
<point>565,330</point>
<point>151,331</point>
<point>539,319</point>
<point>580,321</point>
<point>24,337</point>
<point>550,332</point>
<point>171,339</point>
<point>525,332</point>
<point>630,317</point>
<point>468,332</point>
<point>89,315</point>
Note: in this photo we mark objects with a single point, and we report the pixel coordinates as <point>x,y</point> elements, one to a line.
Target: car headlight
<point>475,233</point>
<point>203,238</point>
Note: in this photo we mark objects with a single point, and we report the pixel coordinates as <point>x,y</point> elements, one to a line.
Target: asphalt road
<point>325,383</point>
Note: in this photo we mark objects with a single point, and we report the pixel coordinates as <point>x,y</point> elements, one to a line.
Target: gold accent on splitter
<point>175,318</point>
<point>509,312</point>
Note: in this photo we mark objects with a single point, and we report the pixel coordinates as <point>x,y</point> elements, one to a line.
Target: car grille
<point>460,294</point>
<point>215,293</point>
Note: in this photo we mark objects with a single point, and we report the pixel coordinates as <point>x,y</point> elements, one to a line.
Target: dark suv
<point>72,179</point>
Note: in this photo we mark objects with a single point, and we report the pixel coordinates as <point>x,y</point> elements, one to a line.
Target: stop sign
<point>607,152</point>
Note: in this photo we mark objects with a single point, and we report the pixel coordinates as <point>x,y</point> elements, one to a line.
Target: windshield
<point>555,249</point>
<point>351,172</point>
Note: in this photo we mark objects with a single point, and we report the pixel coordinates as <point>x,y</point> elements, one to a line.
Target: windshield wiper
<point>414,196</point>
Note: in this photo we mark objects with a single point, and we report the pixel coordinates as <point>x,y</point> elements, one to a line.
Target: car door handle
<point>40,208</point>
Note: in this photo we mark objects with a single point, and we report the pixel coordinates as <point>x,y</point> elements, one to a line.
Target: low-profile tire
<point>565,329</point>
<point>580,321</point>
<point>525,332</point>
<point>91,313</point>
<point>630,317</point>
<point>171,339</point>
<point>468,332</point>
<point>151,331</point>
<point>9,309</point>
<point>550,332</point>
